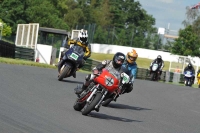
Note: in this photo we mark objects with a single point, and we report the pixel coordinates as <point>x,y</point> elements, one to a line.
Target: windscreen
<point>78,50</point>
<point>114,72</point>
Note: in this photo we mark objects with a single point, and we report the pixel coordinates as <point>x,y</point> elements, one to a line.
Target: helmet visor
<point>132,58</point>
<point>119,60</point>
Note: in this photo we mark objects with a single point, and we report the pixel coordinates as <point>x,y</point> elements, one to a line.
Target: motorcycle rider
<point>131,65</point>
<point>81,41</point>
<point>190,67</point>
<point>160,64</point>
<point>116,63</point>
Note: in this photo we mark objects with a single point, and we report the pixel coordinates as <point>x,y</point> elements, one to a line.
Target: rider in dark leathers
<point>116,63</point>
<point>131,65</point>
<point>160,64</point>
<point>82,42</point>
<point>190,67</point>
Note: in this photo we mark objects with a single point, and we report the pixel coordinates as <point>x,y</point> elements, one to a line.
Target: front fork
<point>94,92</point>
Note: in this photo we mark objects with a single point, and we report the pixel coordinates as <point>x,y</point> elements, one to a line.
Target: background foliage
<point>114,22</point>
<point>119,22</point>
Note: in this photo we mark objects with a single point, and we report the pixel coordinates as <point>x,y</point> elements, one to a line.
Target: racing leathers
<point>86,48</point>
<point>187,68</point>
<point>160,65</point>
<point>132,68</point>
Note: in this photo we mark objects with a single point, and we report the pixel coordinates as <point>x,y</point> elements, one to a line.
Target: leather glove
<point>95,72</point>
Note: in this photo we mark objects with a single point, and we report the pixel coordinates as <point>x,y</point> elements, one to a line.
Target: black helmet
<point>159,58</point>
<point>118,59</point>
<point>189,65</point>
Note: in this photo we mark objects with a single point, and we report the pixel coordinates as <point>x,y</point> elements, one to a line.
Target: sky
<point>169,14</point>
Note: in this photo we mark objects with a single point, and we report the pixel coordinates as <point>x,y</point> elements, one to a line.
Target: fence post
<point>171,75</point>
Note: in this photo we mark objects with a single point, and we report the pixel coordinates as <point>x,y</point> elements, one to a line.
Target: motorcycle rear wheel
<point>106,102</point>
<point>91,105</point>
<point>65,71</point>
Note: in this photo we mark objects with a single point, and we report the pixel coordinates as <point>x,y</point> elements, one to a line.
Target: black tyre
<point>65,71</point>
<point>91,105</point>
<point>106,102</point>
<point>199,85</point>
<point>78,106</point>
<point>152,76</point>
<point>186,83</point>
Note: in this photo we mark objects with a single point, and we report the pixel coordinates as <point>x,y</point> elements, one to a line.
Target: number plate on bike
<point>125,78</point>
<point>74,56</point>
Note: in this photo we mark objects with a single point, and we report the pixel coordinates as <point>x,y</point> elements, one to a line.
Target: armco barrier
<point>24,53</point>
<point>12,51</point>
<point>7,49</point>
<point>90,64</point>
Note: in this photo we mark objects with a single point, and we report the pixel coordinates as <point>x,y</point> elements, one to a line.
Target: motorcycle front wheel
<point>91,104</point>
<point>152,76</point>
<point>64,72</point>
<point>78,106</point>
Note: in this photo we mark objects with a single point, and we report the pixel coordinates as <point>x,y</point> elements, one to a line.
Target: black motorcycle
<point>155,72</point>
<point>188,76</point>
<point>72,59</point>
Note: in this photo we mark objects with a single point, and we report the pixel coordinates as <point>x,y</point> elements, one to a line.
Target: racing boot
<point>79,89</point>
<point>74,75</point>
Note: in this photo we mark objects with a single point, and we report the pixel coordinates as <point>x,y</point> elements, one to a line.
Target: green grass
<point>28,63</point>
<point>142,62</point>
<point>24,62</point>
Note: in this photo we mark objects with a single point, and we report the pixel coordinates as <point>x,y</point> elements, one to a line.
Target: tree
<point>187,43</point>
<point>44,13</point>
<point>6,30</point>
<point>15,12</point>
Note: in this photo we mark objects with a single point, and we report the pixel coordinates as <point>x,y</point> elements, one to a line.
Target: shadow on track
<point>108,117</point>
<point>123,106</point>
<point>70,81</point>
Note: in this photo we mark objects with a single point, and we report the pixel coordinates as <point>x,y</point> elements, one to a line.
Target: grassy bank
<point>24,62</point>
<point>142,62</point>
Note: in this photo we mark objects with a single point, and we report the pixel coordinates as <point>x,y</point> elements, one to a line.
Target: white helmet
<point>82,36</point>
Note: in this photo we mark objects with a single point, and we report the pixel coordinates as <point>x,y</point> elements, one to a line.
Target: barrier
<point>12,51</point>
<point>24,53</point>
<point>7,49</point>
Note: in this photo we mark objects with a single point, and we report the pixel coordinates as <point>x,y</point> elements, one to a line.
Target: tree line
<point>119,22</point>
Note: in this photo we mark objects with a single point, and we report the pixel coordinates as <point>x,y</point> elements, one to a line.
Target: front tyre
<point>78,106</point>
<point>64,72</point>
<point>152,76</point>
<point>91,104</point>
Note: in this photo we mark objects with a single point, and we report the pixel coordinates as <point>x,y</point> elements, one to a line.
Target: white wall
<point>45,53</point>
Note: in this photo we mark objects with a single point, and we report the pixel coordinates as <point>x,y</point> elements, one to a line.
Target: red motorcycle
<point>105,84</point>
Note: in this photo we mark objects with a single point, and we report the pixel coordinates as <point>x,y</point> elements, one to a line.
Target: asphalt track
<point>32,100</point>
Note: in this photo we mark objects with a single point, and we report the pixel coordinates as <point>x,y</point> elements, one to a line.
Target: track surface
<point>32,100</point>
